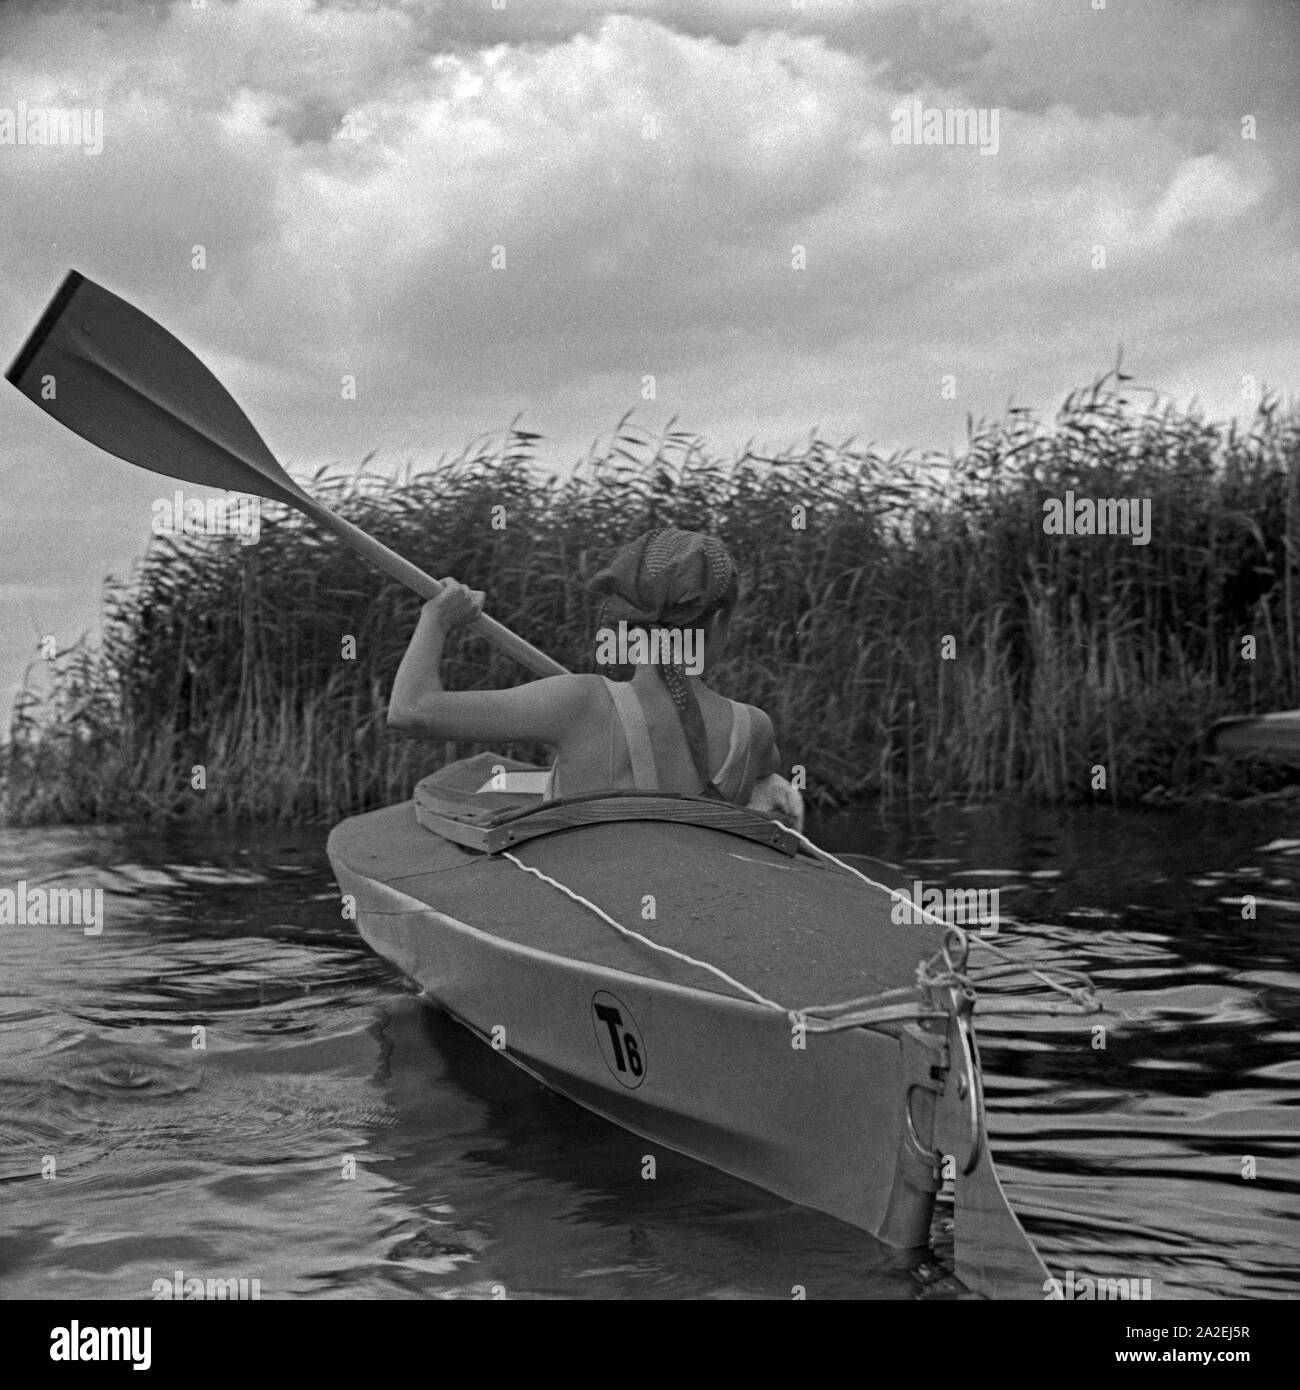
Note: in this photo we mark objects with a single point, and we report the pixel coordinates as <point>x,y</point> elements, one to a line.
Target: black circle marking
<point>619,1039</point>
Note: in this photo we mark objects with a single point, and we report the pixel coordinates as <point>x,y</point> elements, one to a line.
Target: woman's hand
<point>777,797</point>
<point>456,606</point>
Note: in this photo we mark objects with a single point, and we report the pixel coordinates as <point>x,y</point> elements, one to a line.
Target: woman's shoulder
<point>764,731</point>
<point>584,685</point>
<point>574,692</point>
<point>757,716</point>
<point>761,731</point>
<point>573,681</point>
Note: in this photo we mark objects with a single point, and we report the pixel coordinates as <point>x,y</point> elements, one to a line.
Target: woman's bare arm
<point>771,791</point>
<point>544,711</point>
<point>768,759</point>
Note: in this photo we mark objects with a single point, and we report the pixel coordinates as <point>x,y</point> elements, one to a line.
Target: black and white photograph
<point>650,651</point>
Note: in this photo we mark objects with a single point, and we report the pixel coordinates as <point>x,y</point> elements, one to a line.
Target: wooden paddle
<point>113,375</point>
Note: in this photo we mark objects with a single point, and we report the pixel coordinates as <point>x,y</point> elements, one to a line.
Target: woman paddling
<point>672,592</point>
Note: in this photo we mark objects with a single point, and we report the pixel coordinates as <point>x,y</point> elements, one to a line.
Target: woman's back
<point>632,739</point>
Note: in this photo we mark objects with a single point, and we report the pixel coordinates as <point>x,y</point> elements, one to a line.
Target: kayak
<point>1275,736</point>
<point>691,971</point>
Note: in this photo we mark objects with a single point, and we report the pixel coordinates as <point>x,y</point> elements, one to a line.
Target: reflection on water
<point>230,1159</point>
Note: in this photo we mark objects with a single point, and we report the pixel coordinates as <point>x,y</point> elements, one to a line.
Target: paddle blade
<point>111,374</point>
<point>1265,735</point>
<point>993,1255</point>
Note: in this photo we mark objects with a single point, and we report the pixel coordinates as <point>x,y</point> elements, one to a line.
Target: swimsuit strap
<point>627,709</point>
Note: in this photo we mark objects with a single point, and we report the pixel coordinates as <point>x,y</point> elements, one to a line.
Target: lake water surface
<point>227,1162</point>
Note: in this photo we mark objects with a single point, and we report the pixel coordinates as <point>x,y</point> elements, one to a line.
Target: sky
<point>483,209</point>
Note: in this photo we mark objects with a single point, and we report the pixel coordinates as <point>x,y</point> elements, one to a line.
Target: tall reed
<point>907,622</point>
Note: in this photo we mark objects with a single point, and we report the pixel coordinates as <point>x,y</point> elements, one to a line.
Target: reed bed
<point>906,620</point>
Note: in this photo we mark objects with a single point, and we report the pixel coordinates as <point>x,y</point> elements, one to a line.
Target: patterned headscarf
<point>667,578</point>
<point>671,578</point>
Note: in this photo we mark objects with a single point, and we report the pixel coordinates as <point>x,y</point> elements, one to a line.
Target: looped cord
<point>939,971</point>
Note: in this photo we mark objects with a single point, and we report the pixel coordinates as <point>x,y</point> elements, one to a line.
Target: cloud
<point>1206,189</point>
<point>615,191</point>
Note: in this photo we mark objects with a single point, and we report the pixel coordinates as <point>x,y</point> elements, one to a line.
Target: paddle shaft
<point>425,585</point>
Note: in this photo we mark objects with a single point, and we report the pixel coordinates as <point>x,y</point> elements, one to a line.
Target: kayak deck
<point>797,932</point>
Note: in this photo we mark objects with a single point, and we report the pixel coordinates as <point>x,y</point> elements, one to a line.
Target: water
<point>228,1161</point>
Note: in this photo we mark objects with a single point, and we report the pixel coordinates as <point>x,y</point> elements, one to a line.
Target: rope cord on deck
<point>856,1013</point>
<point>1081,994</point>
<point>645,940</point>
<point>881,1009</point>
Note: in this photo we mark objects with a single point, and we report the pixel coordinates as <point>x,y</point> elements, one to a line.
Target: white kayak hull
<point>682,968</point>
<point>721,1081</point>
